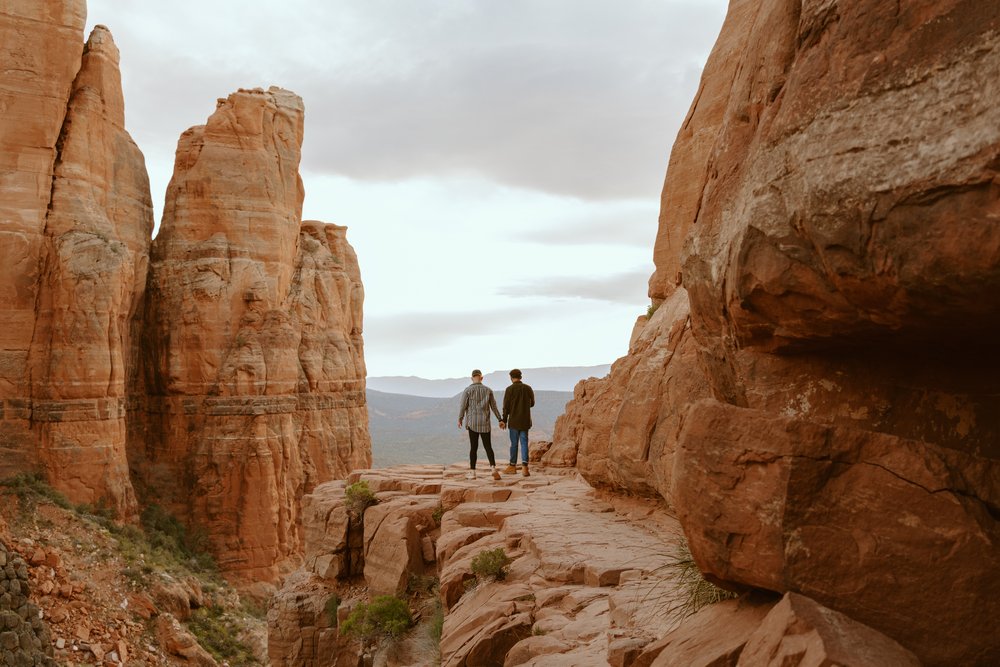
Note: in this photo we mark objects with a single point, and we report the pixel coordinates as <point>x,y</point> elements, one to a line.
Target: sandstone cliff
<point>253,344</point>
<point>233,383</point>
<point>42,44</point>
<point>828,257</point>
<point>79,249</point>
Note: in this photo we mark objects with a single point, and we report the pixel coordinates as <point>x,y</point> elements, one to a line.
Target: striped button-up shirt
<point>477,401</point>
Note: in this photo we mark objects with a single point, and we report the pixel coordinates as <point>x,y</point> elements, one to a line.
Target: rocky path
<point>590,579</point>
<point>587,585</point>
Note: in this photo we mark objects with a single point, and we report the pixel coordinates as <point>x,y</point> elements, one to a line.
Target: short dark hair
<point>477,372</point>
<point>516,374</point>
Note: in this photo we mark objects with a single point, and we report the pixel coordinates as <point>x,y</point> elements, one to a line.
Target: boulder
<point>302,623</point>
<point>393,535</point>
<point>800,631</point>
<point>900,535</point>
<point>715,635</point>
<point>180,644</point>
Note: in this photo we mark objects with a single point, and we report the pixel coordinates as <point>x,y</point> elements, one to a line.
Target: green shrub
<point>650,310</point>
<point>491,565</point>
<point>386,618</point>
<point>218,633</point>
<point>436,626</point>
<point>437,515</point>
<point>31,487</point>
<point>359,498</point>
<point>331,607</point>
<point>421,584</point>
<point>168,536</point>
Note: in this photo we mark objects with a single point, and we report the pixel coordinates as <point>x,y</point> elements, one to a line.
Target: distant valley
<point>420,429</point>
<point>562,378</point>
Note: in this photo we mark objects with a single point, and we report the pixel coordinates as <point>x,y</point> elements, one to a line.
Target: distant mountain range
<point>421,429</point>
<point>541,379</point>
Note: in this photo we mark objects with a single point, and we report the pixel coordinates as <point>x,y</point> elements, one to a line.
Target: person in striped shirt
<point>477,402</point>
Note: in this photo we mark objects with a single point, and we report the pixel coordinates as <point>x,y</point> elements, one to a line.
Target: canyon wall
<point>254,351</point>
<point>828,256</point>
<point>219,370</point>
<point>77,217</point>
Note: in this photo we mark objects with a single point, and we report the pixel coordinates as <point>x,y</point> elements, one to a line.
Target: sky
<point>498,164</point>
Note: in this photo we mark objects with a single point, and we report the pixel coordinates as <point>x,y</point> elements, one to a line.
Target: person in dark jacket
<point>518,399</point>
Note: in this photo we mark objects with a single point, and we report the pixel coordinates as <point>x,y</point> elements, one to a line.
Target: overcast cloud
<point>567,96</point>
<point>617,288</point>
<point>632,225</point>
<point>502,159</point>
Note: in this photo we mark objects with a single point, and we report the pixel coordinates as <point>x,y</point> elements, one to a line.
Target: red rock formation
<point>849,221</point>
<point>84,349</point>
<point>83,266</point>
<point>843,270</point>
<point>590,582</point>
<point>798,631</point>
<point>255,367</point>
<point>240,385</point>
<point>581,574</point>
<point>40,47</point>
<point>830,212</point>
<point>868,523</point>
<point>624,429</point>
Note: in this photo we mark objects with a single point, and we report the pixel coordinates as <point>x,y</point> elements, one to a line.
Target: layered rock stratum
<point>219,370</point>
<point>814,391</point>
<point>253,337</point>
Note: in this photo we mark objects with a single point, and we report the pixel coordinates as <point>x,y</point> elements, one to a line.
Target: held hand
<point>460,423</point>
<point>503,425</point>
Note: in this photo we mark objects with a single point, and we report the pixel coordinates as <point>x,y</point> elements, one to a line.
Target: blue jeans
<point>516,435</point>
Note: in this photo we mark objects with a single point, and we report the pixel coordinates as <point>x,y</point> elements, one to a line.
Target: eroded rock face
<point>85,347</point>
<point>840,272</point>
<point>830,212</point>
<point>255,366</point>
<point>40,43</point>
<point>623,429</point>
<point>81,236</point>
<point>801,632</point>
<point>780,504</point>
<point>849,218</point>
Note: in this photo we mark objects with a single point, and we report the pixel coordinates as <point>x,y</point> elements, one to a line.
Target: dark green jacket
<point>518,399</point>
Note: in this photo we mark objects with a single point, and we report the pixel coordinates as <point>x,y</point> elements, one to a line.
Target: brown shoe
<point>524,470</point>
<point>496,474</point>
<point>510,470</point>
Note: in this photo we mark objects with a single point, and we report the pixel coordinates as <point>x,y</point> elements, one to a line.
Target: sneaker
<point>524,470</point>
<point>511,469</point>
<point>470,475</point>
<point>496,474</point>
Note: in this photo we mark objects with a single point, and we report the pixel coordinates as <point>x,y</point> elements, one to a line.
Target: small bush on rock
<point>218,633</point>
<point>332,604</point>
<point>30,487</point>
<point>359,498</point>
<point>386,618</point>
<point>692,591</point>
<point>491,565</point>
<point>437,515</point>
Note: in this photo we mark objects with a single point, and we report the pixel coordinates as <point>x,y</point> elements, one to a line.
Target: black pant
<point>474,448</point>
